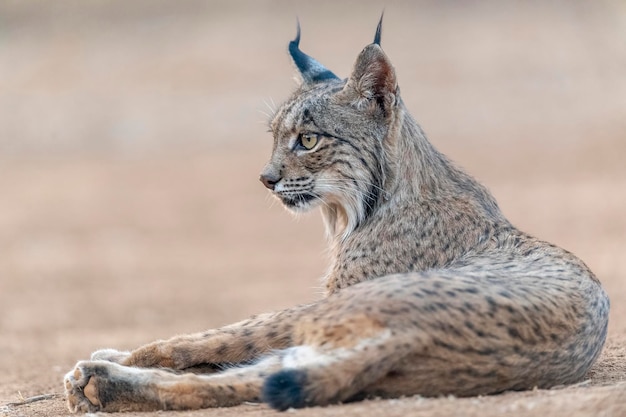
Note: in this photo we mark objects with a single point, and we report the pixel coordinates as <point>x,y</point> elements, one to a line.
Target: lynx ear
<point>373,80</point>
<point>310,70</point>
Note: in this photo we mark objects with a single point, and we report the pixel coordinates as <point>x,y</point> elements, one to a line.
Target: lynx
<point>431,290</point>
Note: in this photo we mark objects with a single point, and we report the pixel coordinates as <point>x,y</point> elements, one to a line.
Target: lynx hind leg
<point>106,386</point>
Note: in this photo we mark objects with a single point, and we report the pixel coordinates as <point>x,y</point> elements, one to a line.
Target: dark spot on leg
<point>514,333</point>
<point>221,350</point>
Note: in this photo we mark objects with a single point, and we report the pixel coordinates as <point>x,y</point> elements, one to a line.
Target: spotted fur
<point>431,290</point>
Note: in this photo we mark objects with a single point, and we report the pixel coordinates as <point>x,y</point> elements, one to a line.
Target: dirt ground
<point>132,135</point>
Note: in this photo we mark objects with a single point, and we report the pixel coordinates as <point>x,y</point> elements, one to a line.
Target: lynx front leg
<point>105,386</point>
<point>237,343</point>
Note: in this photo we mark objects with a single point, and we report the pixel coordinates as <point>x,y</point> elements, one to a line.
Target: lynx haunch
<point>431,290</point>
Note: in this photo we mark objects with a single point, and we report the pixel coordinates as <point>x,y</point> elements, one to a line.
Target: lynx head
<point>333,139</point>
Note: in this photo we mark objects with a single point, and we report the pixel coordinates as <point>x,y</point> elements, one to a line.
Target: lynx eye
<point>308,141</point>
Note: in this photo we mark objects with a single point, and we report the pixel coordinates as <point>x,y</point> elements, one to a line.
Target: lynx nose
<point>269,180</point>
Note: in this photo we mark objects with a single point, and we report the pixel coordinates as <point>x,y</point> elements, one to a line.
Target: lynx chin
<point>430,290</point>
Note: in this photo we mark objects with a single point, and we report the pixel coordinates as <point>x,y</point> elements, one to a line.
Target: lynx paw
<point>110,355</point>
<point>107,386</point>
<point>81,387</point>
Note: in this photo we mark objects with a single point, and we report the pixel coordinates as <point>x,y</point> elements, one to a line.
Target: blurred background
<point>132,135</point>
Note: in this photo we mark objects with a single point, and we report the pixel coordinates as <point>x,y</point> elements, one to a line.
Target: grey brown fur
<point>431,290</point>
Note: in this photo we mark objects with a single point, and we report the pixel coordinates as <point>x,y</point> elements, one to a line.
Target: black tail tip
<point>285,389</point>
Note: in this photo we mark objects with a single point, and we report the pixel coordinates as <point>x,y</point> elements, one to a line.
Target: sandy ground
<point>131,138</point>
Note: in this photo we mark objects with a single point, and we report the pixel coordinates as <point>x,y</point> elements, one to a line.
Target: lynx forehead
<point>430,290</point>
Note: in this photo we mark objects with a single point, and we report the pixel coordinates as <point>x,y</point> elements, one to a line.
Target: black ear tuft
<point>372,83</point>
<point>310,70</point>
<point>285,389</point>
<point>379,29</point>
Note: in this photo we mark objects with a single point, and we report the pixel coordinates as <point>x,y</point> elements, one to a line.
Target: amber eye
<point>308,141</point>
